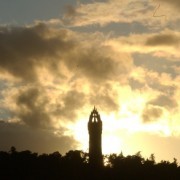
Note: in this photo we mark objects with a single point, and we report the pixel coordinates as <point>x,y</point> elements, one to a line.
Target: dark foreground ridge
<point>74,165</point>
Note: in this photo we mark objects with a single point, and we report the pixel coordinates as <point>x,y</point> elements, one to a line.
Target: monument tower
<point>95,131</point>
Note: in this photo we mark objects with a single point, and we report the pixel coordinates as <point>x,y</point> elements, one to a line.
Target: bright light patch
<point>111,144</point>
<point>80,132</point>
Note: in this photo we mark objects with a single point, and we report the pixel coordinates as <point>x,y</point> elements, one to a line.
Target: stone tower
<point>95,131</point>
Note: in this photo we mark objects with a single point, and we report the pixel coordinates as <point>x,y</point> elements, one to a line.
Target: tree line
<point>74,165</point>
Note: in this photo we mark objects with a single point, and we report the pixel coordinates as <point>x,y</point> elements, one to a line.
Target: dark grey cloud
<point>22,49</point>
<point>41,141</point>
<point>164,40</point>
<point>70,11</point>
<point>167,90</point>
<point>36,110</point>
<point>135,84</point>
<point>105,98</point>
<point>25,49</point>
<point>97,63</point>
<point>151,113</point>
<point>32,108</point>
<point>164,101</point>
<point>72,102</point>
<point>105,102</point>
<point>98,66</point>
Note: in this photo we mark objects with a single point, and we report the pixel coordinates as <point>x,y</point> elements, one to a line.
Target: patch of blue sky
<point>116,29</point>
<point>3,85</point>
<point>26,11</point>
<point>5,114</point>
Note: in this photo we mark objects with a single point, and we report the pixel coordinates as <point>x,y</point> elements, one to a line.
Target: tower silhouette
<point>95,131</point>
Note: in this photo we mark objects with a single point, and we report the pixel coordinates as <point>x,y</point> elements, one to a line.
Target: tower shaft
<point>95,144</point>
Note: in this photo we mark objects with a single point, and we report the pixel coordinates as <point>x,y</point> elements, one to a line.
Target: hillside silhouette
<point>74,165</point>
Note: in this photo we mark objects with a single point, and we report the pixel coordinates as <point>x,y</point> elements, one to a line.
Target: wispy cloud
<point>145,12</point>
<point>165,43</point>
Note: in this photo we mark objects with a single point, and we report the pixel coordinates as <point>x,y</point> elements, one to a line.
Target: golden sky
<point>58,60</point>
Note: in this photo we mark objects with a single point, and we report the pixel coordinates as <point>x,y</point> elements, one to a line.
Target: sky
<point>60,58</point>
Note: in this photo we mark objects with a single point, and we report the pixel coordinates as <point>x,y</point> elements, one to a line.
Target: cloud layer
<point>53,72</point>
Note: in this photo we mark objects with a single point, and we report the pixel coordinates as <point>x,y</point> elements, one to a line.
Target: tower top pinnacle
<point>94,116</point>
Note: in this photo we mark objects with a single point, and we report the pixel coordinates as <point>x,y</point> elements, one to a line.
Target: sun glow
<point>111,141</point>
<point>81,134</point>
<point>120,129</point>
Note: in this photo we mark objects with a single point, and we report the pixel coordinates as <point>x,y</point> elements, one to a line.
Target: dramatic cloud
<point>32,108</point>
<point>41,141</point>
<point>58,72</point>
<point>106,98</point>
<point>52,73</point>
<point>151,113</point>
<point>24,48</point>
<point>27,51</point>
<point>41,107</point>
<point>164,40</point>
<point>72,102</point>
<point>164,101</point>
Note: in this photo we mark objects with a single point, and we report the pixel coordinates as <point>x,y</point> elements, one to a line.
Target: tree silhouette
<point>74,165</point>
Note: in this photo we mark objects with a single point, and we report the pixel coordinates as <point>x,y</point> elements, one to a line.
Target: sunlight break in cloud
<point>53,73</point>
